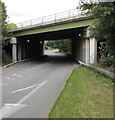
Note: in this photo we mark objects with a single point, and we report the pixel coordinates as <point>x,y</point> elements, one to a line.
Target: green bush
<point>106,57</point>
<point>107,61</point>
<point>6,59</point>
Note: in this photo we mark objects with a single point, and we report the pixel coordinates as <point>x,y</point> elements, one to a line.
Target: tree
<point>62,45</point>
<point>3,25</point>
<point>11,26</point>
<point>4,35</point>
<point>103,28</point>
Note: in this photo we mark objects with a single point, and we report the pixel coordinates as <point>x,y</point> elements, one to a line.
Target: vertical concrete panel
<point>75,48</point>
<point>43,48</point>
<point>38,48</point>
<point>13,41</point>
<point>35,48</point>
<point>27,51</point>
<point>93,50</point>
<point>83,50</point>
<point>87,51</point>
<point>31,49</point>
<point>78,49</point>
<point>14,52</point>
<point>19,51</point>
<point>24,52</point>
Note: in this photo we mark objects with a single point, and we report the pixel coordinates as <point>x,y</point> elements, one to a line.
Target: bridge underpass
<point>32,46</point>
<point>30,89</point>
<point>28,41</point>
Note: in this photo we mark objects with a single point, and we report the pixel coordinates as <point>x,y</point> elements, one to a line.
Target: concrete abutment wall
<point>85,49</point>
<point>26,49</point>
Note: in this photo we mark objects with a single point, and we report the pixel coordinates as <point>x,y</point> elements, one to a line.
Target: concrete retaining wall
<point>105,73</point>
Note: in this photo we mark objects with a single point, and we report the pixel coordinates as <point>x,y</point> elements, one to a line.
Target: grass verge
<point>86,95</point>
<point>109,69</point>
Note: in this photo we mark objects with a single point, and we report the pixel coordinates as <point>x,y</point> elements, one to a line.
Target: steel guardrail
<point>58,17</point>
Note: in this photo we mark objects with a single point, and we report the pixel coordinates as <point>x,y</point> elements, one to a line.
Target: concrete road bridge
<point>28,37</point>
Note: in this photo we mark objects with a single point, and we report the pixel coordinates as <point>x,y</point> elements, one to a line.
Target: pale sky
<point>23,10</point>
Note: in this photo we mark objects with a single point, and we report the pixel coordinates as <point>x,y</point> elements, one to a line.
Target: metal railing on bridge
<point>58,17</point>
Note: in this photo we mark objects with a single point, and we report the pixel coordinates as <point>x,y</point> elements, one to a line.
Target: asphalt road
<point>30,89</point>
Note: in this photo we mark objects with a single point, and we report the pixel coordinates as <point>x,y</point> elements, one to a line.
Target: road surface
<point>30,89</point>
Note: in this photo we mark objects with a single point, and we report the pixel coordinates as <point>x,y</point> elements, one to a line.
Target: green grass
<point>86,95</point>
<point>109,69</point>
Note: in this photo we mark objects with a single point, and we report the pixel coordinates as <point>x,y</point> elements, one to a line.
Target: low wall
<point>104,72</point>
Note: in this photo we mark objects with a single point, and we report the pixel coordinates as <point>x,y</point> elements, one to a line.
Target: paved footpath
<point>30,89</point>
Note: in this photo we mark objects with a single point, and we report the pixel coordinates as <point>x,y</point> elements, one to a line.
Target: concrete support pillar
<point>93,50</point>
<point>78,49</point>
<point>14,52</point>
<point>13,41</point>
<point>24,52</point>
<point>27,51</point>
<point>87,51</point>
<point>19,51</point>
<point>43,49</point>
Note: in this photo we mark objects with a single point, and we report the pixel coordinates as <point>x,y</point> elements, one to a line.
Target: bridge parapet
<point>58,17</point>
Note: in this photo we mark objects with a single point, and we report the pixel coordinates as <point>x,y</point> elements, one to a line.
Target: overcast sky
<point>22,10</point>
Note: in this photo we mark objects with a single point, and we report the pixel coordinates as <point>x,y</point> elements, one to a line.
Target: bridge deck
<point>55,18</point>
<point>60,21</point>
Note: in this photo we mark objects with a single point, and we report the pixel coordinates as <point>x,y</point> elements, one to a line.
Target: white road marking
<point>34,68</point>
<point>13,79</point>
<point>0,115</point>
<point>22,89</point>
<point>9,109</point>
<point>6,84</point>
<point>6,77</point>
<point>27,96</point>
<point>17,75</point>
<point>1,84</point>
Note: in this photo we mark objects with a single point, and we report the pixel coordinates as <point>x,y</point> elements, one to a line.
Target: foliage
<point>6,58</point>
<point>11,26</point>
<point>49,45</point>
<point>106,57</point>
<point>3,24</point>
<point>103,28</point>
<point>62,45</point>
